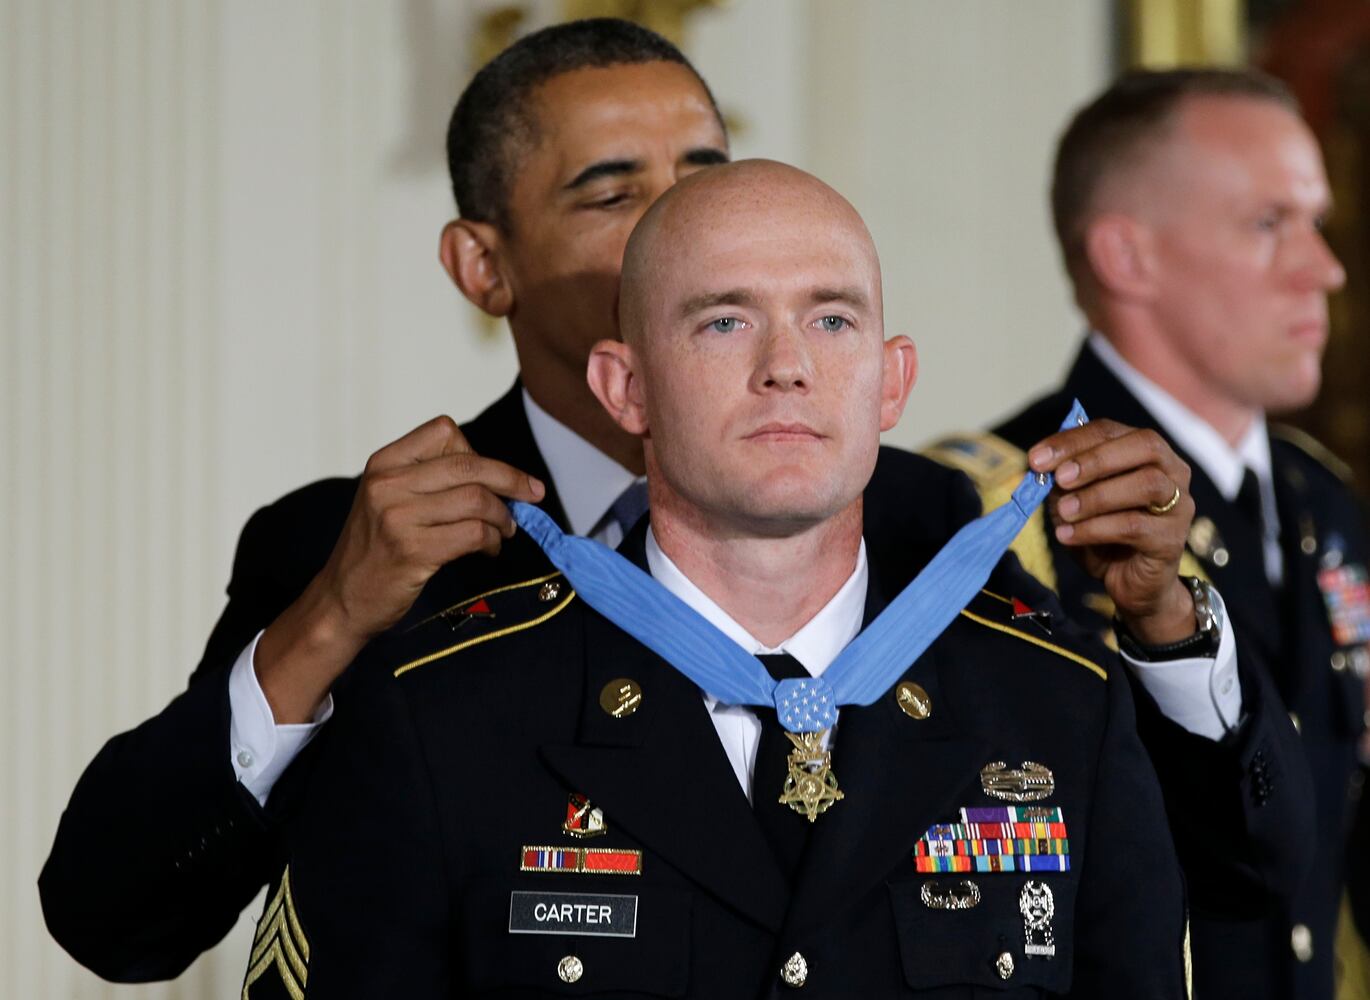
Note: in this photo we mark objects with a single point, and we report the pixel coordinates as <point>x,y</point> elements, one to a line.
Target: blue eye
<point>728,324</point>
<point>834,324</point>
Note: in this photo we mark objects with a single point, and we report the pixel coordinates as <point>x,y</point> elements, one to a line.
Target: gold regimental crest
<point>810,787</point>
<point>280,945</point>
<point>1026,784</point>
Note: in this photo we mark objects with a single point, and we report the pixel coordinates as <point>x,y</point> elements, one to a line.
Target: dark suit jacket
<point>1248,797</point>
<point>410,846</point>
<point>160,848</point>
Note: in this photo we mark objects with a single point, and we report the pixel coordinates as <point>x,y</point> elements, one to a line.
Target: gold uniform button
<point>1004,965</point>
<point>621,697</point>
<point>913,700</point>
<point>1339,661</point>
<point>549,591</point>
<point>795,971</point>
<point>1221,557</point>
<point>1301,942</point>
<point>570,969</point>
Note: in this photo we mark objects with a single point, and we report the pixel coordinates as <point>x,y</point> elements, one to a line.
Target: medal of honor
<point>810,787</point>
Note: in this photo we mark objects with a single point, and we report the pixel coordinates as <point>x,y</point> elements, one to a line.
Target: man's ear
<point>615,383</point>
<point>901,371</point>
<point>471,255</point>
<point>1119,249</point>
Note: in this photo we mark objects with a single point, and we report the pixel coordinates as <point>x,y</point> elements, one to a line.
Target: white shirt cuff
<point>260,749</point>
<point>1201,694</point>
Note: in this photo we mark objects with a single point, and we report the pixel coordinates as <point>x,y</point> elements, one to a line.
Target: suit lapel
<point>502,432</point>
<point>662,775</point>
<point>1251,601</point>
<point>1300,589</point>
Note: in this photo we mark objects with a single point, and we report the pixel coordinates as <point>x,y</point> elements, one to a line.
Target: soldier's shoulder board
<point>481,618</point>
<point>986,458</point>
<point>996,467</point>
<point>1313,448</point>
<point>1011,616</point>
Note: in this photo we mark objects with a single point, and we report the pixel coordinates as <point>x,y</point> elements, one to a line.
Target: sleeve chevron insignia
<point>280,946</point>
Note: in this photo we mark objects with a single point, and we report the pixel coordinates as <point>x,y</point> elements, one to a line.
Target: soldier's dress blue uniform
<point>413,835</point>
<point>1256,936</point>
<point>160,848</point>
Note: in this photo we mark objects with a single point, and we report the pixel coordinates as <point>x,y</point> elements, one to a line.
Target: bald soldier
<point>537,801</point>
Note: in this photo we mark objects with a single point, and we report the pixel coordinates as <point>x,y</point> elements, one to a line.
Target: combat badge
<point>583,820</point>
<point>810,787</point>
<point>1038,906</point>
<point>1026,784</point>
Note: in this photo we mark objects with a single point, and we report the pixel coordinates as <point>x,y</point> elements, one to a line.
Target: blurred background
<point>219,280</point>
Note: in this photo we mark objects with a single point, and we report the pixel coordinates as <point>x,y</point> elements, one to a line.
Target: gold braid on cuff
<point>1166,507</point>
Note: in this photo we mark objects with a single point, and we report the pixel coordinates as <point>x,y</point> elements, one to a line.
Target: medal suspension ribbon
<point>862,672</point>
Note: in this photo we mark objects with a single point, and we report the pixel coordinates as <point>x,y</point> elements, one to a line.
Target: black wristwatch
<point>1204,642</point>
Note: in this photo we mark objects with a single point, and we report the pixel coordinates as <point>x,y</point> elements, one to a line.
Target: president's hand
<point>423,501</point>
<point>1121,502</point>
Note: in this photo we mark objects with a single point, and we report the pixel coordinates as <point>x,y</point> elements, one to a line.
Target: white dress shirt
<point>814,646</point>
<point>587,483</point>
<point>587,480</point>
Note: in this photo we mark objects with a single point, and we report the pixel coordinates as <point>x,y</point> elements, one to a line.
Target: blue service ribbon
<point>861,673</point>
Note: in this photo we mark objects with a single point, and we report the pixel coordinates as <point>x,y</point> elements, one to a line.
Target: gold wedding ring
<point>1167,507</point>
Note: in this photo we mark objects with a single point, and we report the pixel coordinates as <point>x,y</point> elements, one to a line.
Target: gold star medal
<point>810,787</point>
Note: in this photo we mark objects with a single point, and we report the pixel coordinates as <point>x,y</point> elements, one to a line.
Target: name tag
<point>591,914</point>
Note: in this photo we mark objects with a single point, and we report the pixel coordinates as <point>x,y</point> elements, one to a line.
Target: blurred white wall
<point>218,280</point>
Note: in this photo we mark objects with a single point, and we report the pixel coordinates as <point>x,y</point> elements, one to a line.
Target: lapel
<point>501,431</point>
<point>899,776</point>
<point>662,775</point>
<point>1301,564</point>
<point>1250,600</point>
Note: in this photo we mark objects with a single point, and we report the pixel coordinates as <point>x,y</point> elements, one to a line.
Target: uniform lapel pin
<point>1022,612</point>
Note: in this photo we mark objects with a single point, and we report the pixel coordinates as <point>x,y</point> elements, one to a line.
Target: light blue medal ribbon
<point>862,672</point>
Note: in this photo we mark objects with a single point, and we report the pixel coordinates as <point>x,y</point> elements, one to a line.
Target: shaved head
<point>711,202</point>
<point>753,363</point>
